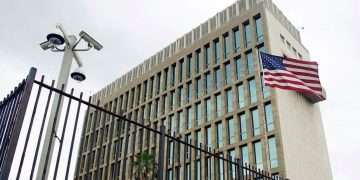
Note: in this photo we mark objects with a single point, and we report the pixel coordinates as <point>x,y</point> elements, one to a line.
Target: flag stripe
<point>294,81</point>
<point>286,73</point>
<point>301,61</point>
<point>292,86</point>
<point>311,66</point>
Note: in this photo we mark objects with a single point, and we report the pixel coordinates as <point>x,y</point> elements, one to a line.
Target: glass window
<point>218,79</point>
<point>255,121</point>
<point>243,128</point>
<point>236,39</point>
<point>165,104</point>
<point>197,61</point>
<point>172,124</point>
<point>207,110</point>
<point>207,83</point>
<point>158,83</point>
<point>219,135</point>
<point>217,51</point>
<point>197,142</point>
<point>208,137</point>
<point>221,173</point>
<point>227,73</point>
<point>269,117</point>
<point>207,57</point>
<point>239,69</point>
<point>231,131</point>
<point>165,80</point>
<point>272,153</point>
<point>188,172</point>
<point>170,153</point>
<point>218,105</point>
<point>258,155</point>
<point>170,174</point>
<point>181,121</point>
<point>189,118</point>
<point>252,89</point>
<point>229,98</point>
<point>259,31</point>
<point>198,88</point>
<point>156,106</point>
<point>181,71</point>
<point>241,96</point>
<point>173,69</point>
<point>226,45</point>
<point>247,34</point>
<point>245,154</point>
<point>250,62</point>
<point>232,158</point>
<point>208,165</point>
<point>180,96</point>
<point>172,100</point>
<point>188,67</point>
<point>189,92</point>
<point>188,149</point>
<point>198,170</point>
<point>197,114</point>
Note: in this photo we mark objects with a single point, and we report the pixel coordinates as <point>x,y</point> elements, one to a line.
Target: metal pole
<point>160,173</point>
<point>62,80</point>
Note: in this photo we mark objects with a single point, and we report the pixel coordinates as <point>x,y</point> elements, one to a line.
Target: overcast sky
<point>131,31</point>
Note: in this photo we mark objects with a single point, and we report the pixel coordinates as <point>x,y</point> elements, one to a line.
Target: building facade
<point>207,87</point>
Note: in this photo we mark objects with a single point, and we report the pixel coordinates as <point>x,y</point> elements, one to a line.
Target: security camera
<point>90,40</point>
<point>46,45</point>
<point>78,75</point>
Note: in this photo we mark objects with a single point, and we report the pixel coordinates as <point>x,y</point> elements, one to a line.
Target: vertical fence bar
<point>18,124</point>
<point>29,129</point>
<point>41,131</point>
<point>161,155</point>
<point>63,134</point>
<point>52,134</point>
<point>73,137</point>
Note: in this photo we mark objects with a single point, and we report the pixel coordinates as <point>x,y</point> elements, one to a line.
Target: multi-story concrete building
<point>207,86</point>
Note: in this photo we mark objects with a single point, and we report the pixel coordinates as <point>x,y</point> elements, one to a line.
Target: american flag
<point>292,74</point>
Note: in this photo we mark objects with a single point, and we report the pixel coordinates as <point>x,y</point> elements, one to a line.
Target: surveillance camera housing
<point>46,45</point>
<point>90,40</point>
<point>78,75</point>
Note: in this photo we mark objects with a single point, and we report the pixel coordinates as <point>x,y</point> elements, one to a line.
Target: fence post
<point>160,173</point>
<point>18,124</point>
<point>240,169</point>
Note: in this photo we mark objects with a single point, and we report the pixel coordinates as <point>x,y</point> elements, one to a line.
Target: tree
<point>145,167</point>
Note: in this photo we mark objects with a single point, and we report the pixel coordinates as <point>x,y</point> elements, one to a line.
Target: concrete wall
<point>304,145</point>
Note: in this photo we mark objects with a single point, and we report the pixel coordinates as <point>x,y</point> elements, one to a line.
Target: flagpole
<point>261,71</point>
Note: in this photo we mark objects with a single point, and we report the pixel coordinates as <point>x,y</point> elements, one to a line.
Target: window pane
<point>250,62</point>
<point>189,118</point>
<point>229,98</point>
<point>243,128</point>
<point>181,121</point>
<point>218,79</point>
<point>197,61</point>
<point>198,170</point>
<point>188,172</point>
<point>232,157</point>
<point>227,73</point>
<point>226,45</point>
<point>241,96</point>
<point>259,31</point>
<point>197,142</point>
<point>172,81</point>
<point>189,92</point>
<point>252,88</point>
<point>188,68</point>
<point>247,34</point>
<point>197,115</point>
<point>207,57</point>
<point>207,83</point>
<point>217,51</point>
<point>181,71</point>
<point>245,154</point>
<point>221,168</point>
<point>170,152</point>
<point>258,155</point>
<point>218,105</point>
<point>231,131</point>
<point>207,110</point>
<point>208,137</point>
<point>272,153</point>
<point>180,96</point>
<point>239,68</point>
<point>237,40</point>
<point>198,88</point>
<point>255,122</point>
<point>219,136</point>
<point>269,117</point>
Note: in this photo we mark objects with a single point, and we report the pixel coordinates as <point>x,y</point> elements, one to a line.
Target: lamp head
<point>55,39</point>
<point>78,75</point>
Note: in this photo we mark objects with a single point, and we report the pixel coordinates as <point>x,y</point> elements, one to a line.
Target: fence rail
<point>175,156</point>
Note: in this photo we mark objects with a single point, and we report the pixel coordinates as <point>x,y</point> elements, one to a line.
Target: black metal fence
<point>176,156</point>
